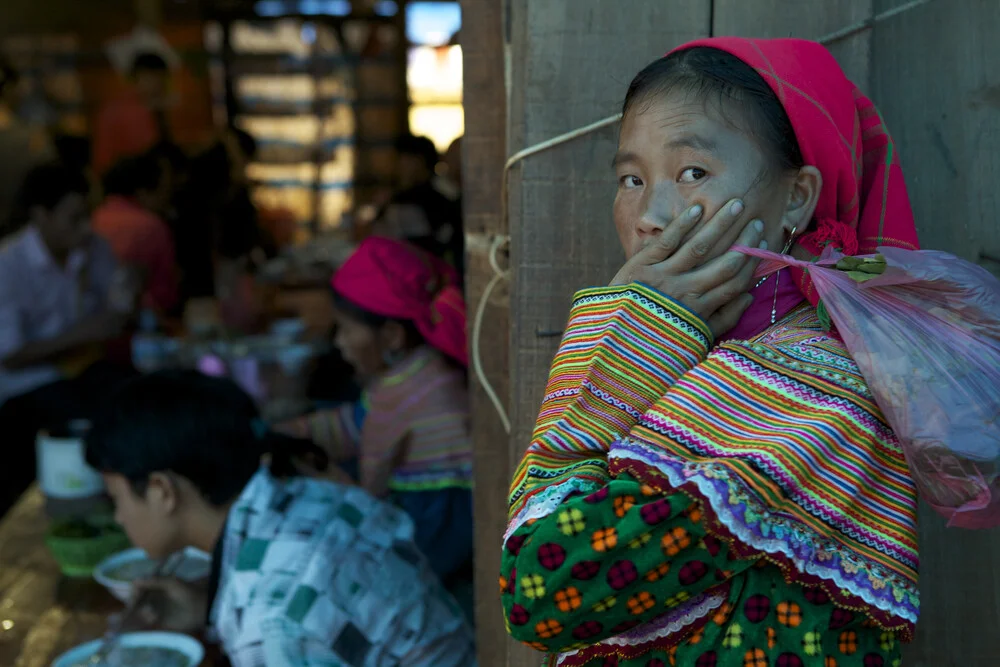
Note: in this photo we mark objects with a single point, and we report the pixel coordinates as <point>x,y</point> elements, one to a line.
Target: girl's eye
<point>630,181</point>
<point>691,174</point>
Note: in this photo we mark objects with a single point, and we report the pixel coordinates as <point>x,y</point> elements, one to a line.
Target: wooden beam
<point>484,151</point>
<point>936,83</point>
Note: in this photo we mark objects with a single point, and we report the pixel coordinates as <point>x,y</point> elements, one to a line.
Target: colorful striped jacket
<point>742,505</point>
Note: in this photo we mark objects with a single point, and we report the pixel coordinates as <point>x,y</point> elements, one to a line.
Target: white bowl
<point>191,649</point>
<point>196,565</point>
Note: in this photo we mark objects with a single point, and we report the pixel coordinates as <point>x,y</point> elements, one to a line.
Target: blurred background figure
<point>132,219</point>
<point>418,211</point>
<point>21,148</point>
<point>135,121</point>
<point>449,181</point>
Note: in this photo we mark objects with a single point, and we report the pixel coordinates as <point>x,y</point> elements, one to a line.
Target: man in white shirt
<point>61,296</point>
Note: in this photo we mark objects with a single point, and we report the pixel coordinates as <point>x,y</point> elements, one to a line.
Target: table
<point>42,612</point>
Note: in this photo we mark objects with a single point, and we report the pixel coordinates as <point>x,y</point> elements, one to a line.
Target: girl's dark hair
<point>413,336</point>
<point>743,95</point>
<point>202,428</point>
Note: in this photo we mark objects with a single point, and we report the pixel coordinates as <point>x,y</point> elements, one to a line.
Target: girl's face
<point>676,151</point>
<point>360,345</point>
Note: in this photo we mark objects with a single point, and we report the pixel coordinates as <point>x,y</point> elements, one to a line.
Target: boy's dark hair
<point>202,428</point>
<point>46,185</point>
<point>149,62</point>
<point>133,174</point>
<point>422,147</point>
<point>741,92</point>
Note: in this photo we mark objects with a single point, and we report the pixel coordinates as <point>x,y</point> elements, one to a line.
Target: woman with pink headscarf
<point>401,325</point>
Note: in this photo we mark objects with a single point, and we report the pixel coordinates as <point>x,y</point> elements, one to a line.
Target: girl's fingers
<point>729,266</point>
<point>736,284</point>
<point>696,250</point>
<point>667,243</point>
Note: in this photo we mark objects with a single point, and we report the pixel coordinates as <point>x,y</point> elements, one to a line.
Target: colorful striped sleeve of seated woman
<point>401,325</point>
<point>710,482</point>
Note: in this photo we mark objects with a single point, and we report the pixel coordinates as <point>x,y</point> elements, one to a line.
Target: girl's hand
<point>683,269</point>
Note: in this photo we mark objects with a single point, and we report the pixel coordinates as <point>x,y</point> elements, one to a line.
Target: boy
<point>305,572</point>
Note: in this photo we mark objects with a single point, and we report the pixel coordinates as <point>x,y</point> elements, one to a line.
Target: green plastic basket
<point>78,556</point>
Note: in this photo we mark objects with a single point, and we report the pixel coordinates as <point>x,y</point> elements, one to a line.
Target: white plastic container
<point>63,473</point>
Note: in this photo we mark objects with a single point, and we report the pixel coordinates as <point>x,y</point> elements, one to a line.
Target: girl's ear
<point>803,195</point>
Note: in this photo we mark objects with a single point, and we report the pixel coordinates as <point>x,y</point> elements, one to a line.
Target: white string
<point>499,241</point>
<point>477,328</point>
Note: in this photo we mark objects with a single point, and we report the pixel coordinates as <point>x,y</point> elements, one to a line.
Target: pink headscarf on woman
<point>396,280</point>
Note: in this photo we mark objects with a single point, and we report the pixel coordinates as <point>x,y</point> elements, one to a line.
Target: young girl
<point>401,325</point>
<point>710,482</point>
<point>304,572</point>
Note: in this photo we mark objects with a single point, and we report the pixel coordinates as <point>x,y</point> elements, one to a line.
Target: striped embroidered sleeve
<point>623,347</point>
<point>335,430</point>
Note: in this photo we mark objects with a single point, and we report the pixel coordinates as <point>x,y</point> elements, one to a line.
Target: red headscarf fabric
<point>863,203</point>
<point>394,279</point>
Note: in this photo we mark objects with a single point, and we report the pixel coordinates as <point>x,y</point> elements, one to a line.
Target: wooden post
<point>936,83</point>
<point>484,150</point>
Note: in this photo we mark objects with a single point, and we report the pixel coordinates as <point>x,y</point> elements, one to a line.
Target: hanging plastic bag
<point>924,329</point>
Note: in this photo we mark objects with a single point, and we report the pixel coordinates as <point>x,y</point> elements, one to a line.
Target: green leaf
<point>824,316</point>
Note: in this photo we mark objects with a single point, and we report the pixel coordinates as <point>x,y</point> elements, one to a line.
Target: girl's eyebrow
<point>688,140</point>
<point>622,157</point>
<point>691,140</point>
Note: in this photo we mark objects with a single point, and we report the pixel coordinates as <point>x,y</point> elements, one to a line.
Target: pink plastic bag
<point>926,336</point>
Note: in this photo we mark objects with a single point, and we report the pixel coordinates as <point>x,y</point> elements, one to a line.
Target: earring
<point>791,241</point>
<point>784,251</point>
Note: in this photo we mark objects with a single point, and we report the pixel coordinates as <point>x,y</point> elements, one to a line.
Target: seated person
<point>304,572</point>
<point>418,211</point>
<point>61,297</point>
<point>401,325</point>
<point>137,192</point>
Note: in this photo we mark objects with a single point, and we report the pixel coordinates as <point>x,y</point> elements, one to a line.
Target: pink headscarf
<point>394,279</point>
<point>863,203</point>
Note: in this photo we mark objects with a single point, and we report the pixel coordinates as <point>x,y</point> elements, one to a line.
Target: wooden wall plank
<point>484,151</point>
<point>806,19</point>
<point>937,84</point>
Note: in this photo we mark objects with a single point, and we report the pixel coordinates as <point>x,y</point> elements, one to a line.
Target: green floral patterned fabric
<point>628,562</point>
